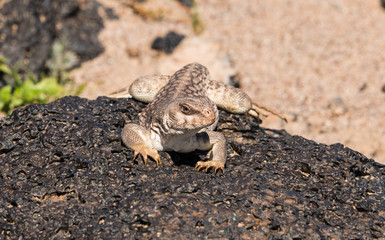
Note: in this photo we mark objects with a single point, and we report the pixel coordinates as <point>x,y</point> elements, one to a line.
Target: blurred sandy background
<point>320,63</point>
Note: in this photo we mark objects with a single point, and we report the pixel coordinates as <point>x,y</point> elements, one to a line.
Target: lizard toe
<point>145,151</point>
<point>216,165</point>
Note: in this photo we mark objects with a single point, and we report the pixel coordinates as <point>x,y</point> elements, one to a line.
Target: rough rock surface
<point>65,174</point>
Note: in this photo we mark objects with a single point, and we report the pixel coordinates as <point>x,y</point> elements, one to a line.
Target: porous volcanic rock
<point>66,174</point>
<point>29,28</point>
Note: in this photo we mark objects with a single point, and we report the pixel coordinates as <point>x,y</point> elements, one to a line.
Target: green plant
<point>19,92</point>
<point>29,92</point>
<point>61,60</point>
<point>197,24</point>
<point>11,75</point>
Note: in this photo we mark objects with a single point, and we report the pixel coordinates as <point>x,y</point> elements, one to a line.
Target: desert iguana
<point>182,114</point>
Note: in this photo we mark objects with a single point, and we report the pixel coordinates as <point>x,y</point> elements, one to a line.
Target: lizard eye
<point>185,109</point>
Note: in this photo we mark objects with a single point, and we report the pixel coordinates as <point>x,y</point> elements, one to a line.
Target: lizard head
<point>188,114</point>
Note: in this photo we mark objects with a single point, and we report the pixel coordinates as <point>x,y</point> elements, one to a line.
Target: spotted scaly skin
<point>180,118</point>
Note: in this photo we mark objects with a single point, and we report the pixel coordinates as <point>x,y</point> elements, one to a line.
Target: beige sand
<point>321,63</point>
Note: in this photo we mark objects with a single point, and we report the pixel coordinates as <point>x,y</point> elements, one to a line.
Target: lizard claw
<point>216,165</point>
<point>145,151</point>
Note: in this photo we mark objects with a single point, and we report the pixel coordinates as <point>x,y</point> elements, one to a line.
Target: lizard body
<point>182,114</point>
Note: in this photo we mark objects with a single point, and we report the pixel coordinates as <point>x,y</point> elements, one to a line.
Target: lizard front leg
<point>138,139</point>
<point>217,143</point>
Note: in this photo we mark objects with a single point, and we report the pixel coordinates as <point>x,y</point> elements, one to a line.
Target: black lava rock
<point>29,28</point>
<point>168,43</point>
<point>66,174</point>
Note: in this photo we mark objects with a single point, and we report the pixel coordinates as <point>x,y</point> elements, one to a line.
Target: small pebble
<point>187,3</point>
<point>168,43</point>
<point>363,87</point>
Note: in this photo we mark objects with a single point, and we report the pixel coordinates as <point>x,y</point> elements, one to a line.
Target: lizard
<point>182,114</point>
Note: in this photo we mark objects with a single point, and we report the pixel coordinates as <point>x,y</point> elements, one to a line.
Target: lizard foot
<point>216,165</point>
<point>146,151</point>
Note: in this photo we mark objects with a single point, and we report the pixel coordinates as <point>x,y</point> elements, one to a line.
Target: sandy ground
<point>320,63</point>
